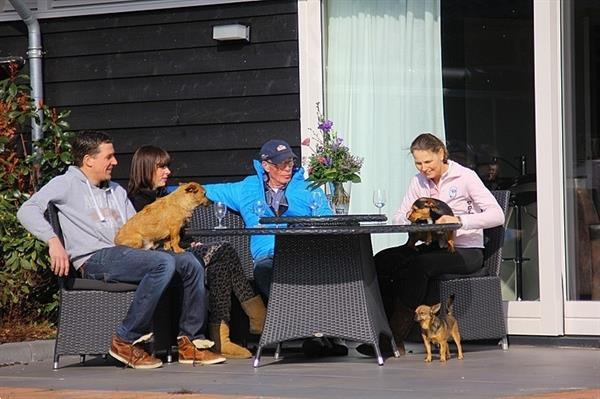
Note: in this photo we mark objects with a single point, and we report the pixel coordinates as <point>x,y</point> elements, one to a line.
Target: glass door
<point>581,104</point>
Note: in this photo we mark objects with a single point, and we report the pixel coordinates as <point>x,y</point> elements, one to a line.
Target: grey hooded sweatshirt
<point>89,216</point>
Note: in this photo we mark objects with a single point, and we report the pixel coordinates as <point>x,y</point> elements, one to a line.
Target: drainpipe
<point>34,52</point>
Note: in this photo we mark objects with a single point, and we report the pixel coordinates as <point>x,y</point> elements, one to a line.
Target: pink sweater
<point>465,193</point>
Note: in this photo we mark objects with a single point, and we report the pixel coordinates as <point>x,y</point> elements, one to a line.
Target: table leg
<point>257,356</point>
<point>395,348</point>
<point>277,351</point>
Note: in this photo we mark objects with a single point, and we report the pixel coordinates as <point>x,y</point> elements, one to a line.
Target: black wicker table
<point>324,281</point>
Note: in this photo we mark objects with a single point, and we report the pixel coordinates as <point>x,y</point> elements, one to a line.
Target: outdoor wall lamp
<point>223,33</point>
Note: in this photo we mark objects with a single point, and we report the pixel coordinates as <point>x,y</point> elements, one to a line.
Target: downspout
<point>34,52</point>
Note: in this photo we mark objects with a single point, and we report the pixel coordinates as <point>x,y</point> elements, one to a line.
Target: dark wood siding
<point>159,78</point>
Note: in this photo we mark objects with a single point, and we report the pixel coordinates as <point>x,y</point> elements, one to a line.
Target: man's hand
<point>195,244</point>
<point>59,258</point>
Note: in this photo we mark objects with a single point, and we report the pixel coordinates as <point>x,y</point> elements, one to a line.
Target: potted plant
<point>331,164</point>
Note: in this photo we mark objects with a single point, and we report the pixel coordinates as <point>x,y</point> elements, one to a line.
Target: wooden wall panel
<point>158,77</point>
<point>226,57</point>
<point>257,82</point>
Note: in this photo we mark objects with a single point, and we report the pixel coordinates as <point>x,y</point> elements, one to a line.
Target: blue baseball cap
<point>276,151</point>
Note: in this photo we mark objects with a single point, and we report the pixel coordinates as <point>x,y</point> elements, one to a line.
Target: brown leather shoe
<point>190,354</point>
<point>132,354</point>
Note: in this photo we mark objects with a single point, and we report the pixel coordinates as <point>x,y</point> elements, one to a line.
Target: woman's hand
<point>447,219</point>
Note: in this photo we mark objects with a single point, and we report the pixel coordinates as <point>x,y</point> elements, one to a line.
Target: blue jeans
<point>152,271</point>
<point>263,274</point>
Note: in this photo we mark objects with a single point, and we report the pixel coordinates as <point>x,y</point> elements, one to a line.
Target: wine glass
<point>220,212</point>
<point>316,199</point>
<point>379,198</point>
<point>259,208</point>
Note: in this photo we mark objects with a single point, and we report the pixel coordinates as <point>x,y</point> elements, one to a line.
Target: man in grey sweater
<point>91,211</point>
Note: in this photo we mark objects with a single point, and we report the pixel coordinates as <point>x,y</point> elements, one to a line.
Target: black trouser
<point>404,272</point>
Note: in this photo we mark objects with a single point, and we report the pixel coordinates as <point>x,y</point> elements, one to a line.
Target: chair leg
<point>55,363</point>
<point>81,359</point>
<point>504,343</point>
<point>170,354</point>
<point>395,348</point>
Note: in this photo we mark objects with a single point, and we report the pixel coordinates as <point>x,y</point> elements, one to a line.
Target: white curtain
<point>383,87</point>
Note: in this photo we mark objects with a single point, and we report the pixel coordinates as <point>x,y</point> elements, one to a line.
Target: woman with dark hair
<point>148,176</point>
<point>404,272</point>
<point>224,272</point>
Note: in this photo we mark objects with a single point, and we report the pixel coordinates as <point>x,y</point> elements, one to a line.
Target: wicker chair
<point>478,305</point>
<point>204,218</point>
<point>90,310</point>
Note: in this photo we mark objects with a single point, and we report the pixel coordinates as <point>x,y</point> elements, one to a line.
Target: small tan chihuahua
<point>438,329</point>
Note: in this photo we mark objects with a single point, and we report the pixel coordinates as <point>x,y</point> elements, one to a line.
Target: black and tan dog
<point>427,210</point>
<point>436,329</point>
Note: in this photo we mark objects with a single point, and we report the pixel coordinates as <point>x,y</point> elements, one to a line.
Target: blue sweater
<point>242,195</point>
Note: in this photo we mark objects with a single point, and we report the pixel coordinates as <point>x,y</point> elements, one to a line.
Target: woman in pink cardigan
<point>404,272</point>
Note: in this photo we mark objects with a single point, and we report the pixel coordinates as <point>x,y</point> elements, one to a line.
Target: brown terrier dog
<point>427,210</point>
<point>438,329</point>
<point>162,220</point>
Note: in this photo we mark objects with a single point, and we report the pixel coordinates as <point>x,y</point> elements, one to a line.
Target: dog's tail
<point>449,304</point>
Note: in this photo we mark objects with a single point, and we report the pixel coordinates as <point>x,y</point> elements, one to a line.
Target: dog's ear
<point>435,309</point>
<point>429,203</point>
<point>192,188</point>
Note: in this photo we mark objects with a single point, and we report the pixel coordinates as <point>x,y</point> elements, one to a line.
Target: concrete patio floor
<point>486,372</point>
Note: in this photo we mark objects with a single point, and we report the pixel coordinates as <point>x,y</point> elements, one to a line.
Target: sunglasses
<point>290,163</point>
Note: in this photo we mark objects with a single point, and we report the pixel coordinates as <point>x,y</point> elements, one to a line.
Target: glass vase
<point>338,195</point>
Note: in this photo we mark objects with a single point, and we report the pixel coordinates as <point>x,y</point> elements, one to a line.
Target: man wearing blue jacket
<point>281,185</point>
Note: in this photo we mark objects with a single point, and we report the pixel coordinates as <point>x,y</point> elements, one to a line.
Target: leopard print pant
<point>224,275</point>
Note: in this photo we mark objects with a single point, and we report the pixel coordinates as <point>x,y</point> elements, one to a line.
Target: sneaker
<point>189,353</point>
<point>132,354</point>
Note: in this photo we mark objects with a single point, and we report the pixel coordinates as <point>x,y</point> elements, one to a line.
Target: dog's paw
<point>460,357</point>
<point>428,359</point>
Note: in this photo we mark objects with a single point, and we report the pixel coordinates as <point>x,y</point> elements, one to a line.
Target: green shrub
<point>27,287</point>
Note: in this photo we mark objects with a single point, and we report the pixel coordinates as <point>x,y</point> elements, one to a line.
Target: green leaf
<point>66,157</point>
<point>12,90</point>
<point>25,264</point>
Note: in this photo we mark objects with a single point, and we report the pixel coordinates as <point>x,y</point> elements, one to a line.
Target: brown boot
<point>197,352</point>
<point>256,311</point>
<point>401,323</point>
<point>220,334</point>
<point>132,354</point>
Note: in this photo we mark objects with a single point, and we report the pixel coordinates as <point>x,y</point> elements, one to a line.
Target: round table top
<point>316,229</point>
<point>324,220</point>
